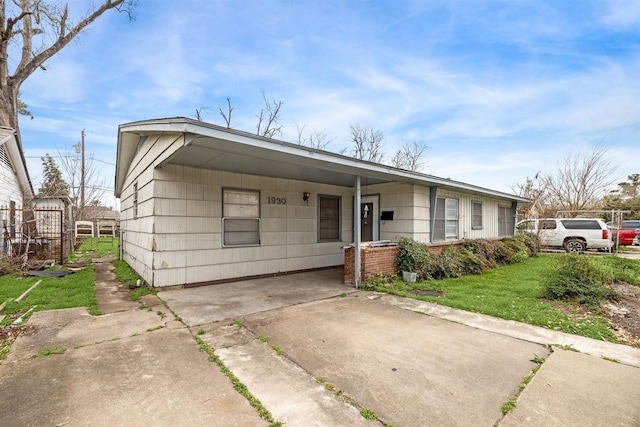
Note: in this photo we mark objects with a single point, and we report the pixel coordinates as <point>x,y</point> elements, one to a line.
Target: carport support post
<point>357,234</point>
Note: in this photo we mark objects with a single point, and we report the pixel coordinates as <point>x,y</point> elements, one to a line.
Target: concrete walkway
<point>127,367</point>
<point>314,352</point>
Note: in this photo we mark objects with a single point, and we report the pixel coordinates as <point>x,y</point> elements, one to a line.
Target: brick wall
<point>374,260</point>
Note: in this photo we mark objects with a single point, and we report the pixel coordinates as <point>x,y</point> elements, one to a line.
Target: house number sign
<point>276,200</point>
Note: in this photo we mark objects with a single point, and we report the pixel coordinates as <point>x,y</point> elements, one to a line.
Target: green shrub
<point>504,253</point>
<point>621,269</point>
<point>531,241</point>
<point>515,245</point>
<point>471,262</point>
<point>412,256</point>
<point>520,256</point>
<point>577,278</point>
<point>449,264</point>
<point>484,249</point>
<point>380,279</point>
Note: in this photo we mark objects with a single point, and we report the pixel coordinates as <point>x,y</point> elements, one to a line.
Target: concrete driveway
<point>316,352</point>
<point>208,304</point>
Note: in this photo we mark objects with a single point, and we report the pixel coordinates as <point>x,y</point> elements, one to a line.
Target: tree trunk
<point>9,107</point>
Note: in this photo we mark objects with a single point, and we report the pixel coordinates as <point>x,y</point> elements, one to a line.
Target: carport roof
<point>208,146</point>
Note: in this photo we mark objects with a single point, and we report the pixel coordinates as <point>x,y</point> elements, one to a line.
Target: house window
<point>135,200</point>
<point>505,222</point>
<point>240,217</point>
<point>446,220</point>
<point>4,158</point>
<point>476,215</point>
<point>329,218</point>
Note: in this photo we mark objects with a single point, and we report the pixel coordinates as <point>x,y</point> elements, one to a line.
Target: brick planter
<point>378,259</point>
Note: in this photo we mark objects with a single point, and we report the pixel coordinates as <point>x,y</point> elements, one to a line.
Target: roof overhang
<point>9,139</point>
<point>207,146</point>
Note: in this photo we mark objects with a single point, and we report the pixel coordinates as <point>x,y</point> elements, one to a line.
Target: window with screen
<point>446,220</point>
<point>240,217</point>
<point>476,215</point>
<point>505,221</point>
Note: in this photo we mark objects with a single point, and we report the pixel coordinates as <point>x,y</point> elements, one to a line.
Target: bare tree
<point>227,116</point>
<point>268,120</point>
<point>578,184</point>
<point>581,180</point>
<point>367,143</point>
<point>541,205</point>
<point>199,113</point>
<point>95,186</point>
<point>409,156</point>
<point>316,139</point>
<point>23,21</point>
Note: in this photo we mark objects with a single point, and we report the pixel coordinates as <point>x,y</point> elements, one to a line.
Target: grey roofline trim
<point>329,161</point>
<point>15,150</point>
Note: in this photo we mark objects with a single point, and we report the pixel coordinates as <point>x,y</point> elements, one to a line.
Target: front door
<point>367,219</point>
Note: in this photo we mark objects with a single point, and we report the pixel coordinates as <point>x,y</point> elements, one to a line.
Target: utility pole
<point>80,149</point>
<point>82,175</point>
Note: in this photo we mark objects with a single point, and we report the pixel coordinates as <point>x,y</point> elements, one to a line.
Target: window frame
<point>507,221</point>
<point>256,221</point>
<point>475,215</point>
<point>135,200</point>
<point>446,221</point>
<point>320,218</point>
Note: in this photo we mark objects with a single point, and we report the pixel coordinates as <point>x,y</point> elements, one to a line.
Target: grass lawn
<point>73,290</point>
<point>512,292</point>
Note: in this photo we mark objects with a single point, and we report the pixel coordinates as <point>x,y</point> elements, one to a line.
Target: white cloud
<point>621,13</point>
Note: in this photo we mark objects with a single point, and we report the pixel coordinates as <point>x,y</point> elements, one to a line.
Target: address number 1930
<point>276,200</point>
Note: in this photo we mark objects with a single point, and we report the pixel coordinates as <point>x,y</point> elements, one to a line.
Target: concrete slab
<point>293,396</point>
<point>208,304</point>
<point>73,327</point>
<point>625,354</point>
<point>156,378</point>
<point>575,389</point>
<point>409,369</point>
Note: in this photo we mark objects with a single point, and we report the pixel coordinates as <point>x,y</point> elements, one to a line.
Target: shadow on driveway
<point>213,303</point>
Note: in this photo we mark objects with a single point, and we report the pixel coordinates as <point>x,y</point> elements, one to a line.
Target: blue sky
<point>498,90</point>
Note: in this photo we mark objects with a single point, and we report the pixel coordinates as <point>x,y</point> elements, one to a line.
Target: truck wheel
<point>575,246</point>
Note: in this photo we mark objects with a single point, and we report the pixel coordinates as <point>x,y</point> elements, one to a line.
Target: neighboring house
<point>201,203</point>
<point>16,189</point>
<point>98,214</point>
<point>15,184</point>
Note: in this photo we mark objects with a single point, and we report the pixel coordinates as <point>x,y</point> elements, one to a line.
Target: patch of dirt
<point>9,333</point>
<point>625,314</point>
<point>427,292</point>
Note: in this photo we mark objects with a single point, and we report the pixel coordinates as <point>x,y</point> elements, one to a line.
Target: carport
<point>228,301</point>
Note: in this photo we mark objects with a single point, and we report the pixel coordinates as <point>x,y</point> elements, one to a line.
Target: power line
<point>66,157</point>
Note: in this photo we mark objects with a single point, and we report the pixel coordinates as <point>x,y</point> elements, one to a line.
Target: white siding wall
<point>9,192</point>
<point>187,245</point>
<point>9,187</point>
<point>489,214</point>
<point>177,236</point>
<point>410,204</point>
<point>137,234</point>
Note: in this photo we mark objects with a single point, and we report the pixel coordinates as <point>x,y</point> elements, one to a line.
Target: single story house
<point>202,204</point>
<point>16,189</point>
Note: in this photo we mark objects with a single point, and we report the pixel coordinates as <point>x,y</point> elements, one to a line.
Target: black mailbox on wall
<point>386,216</point>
